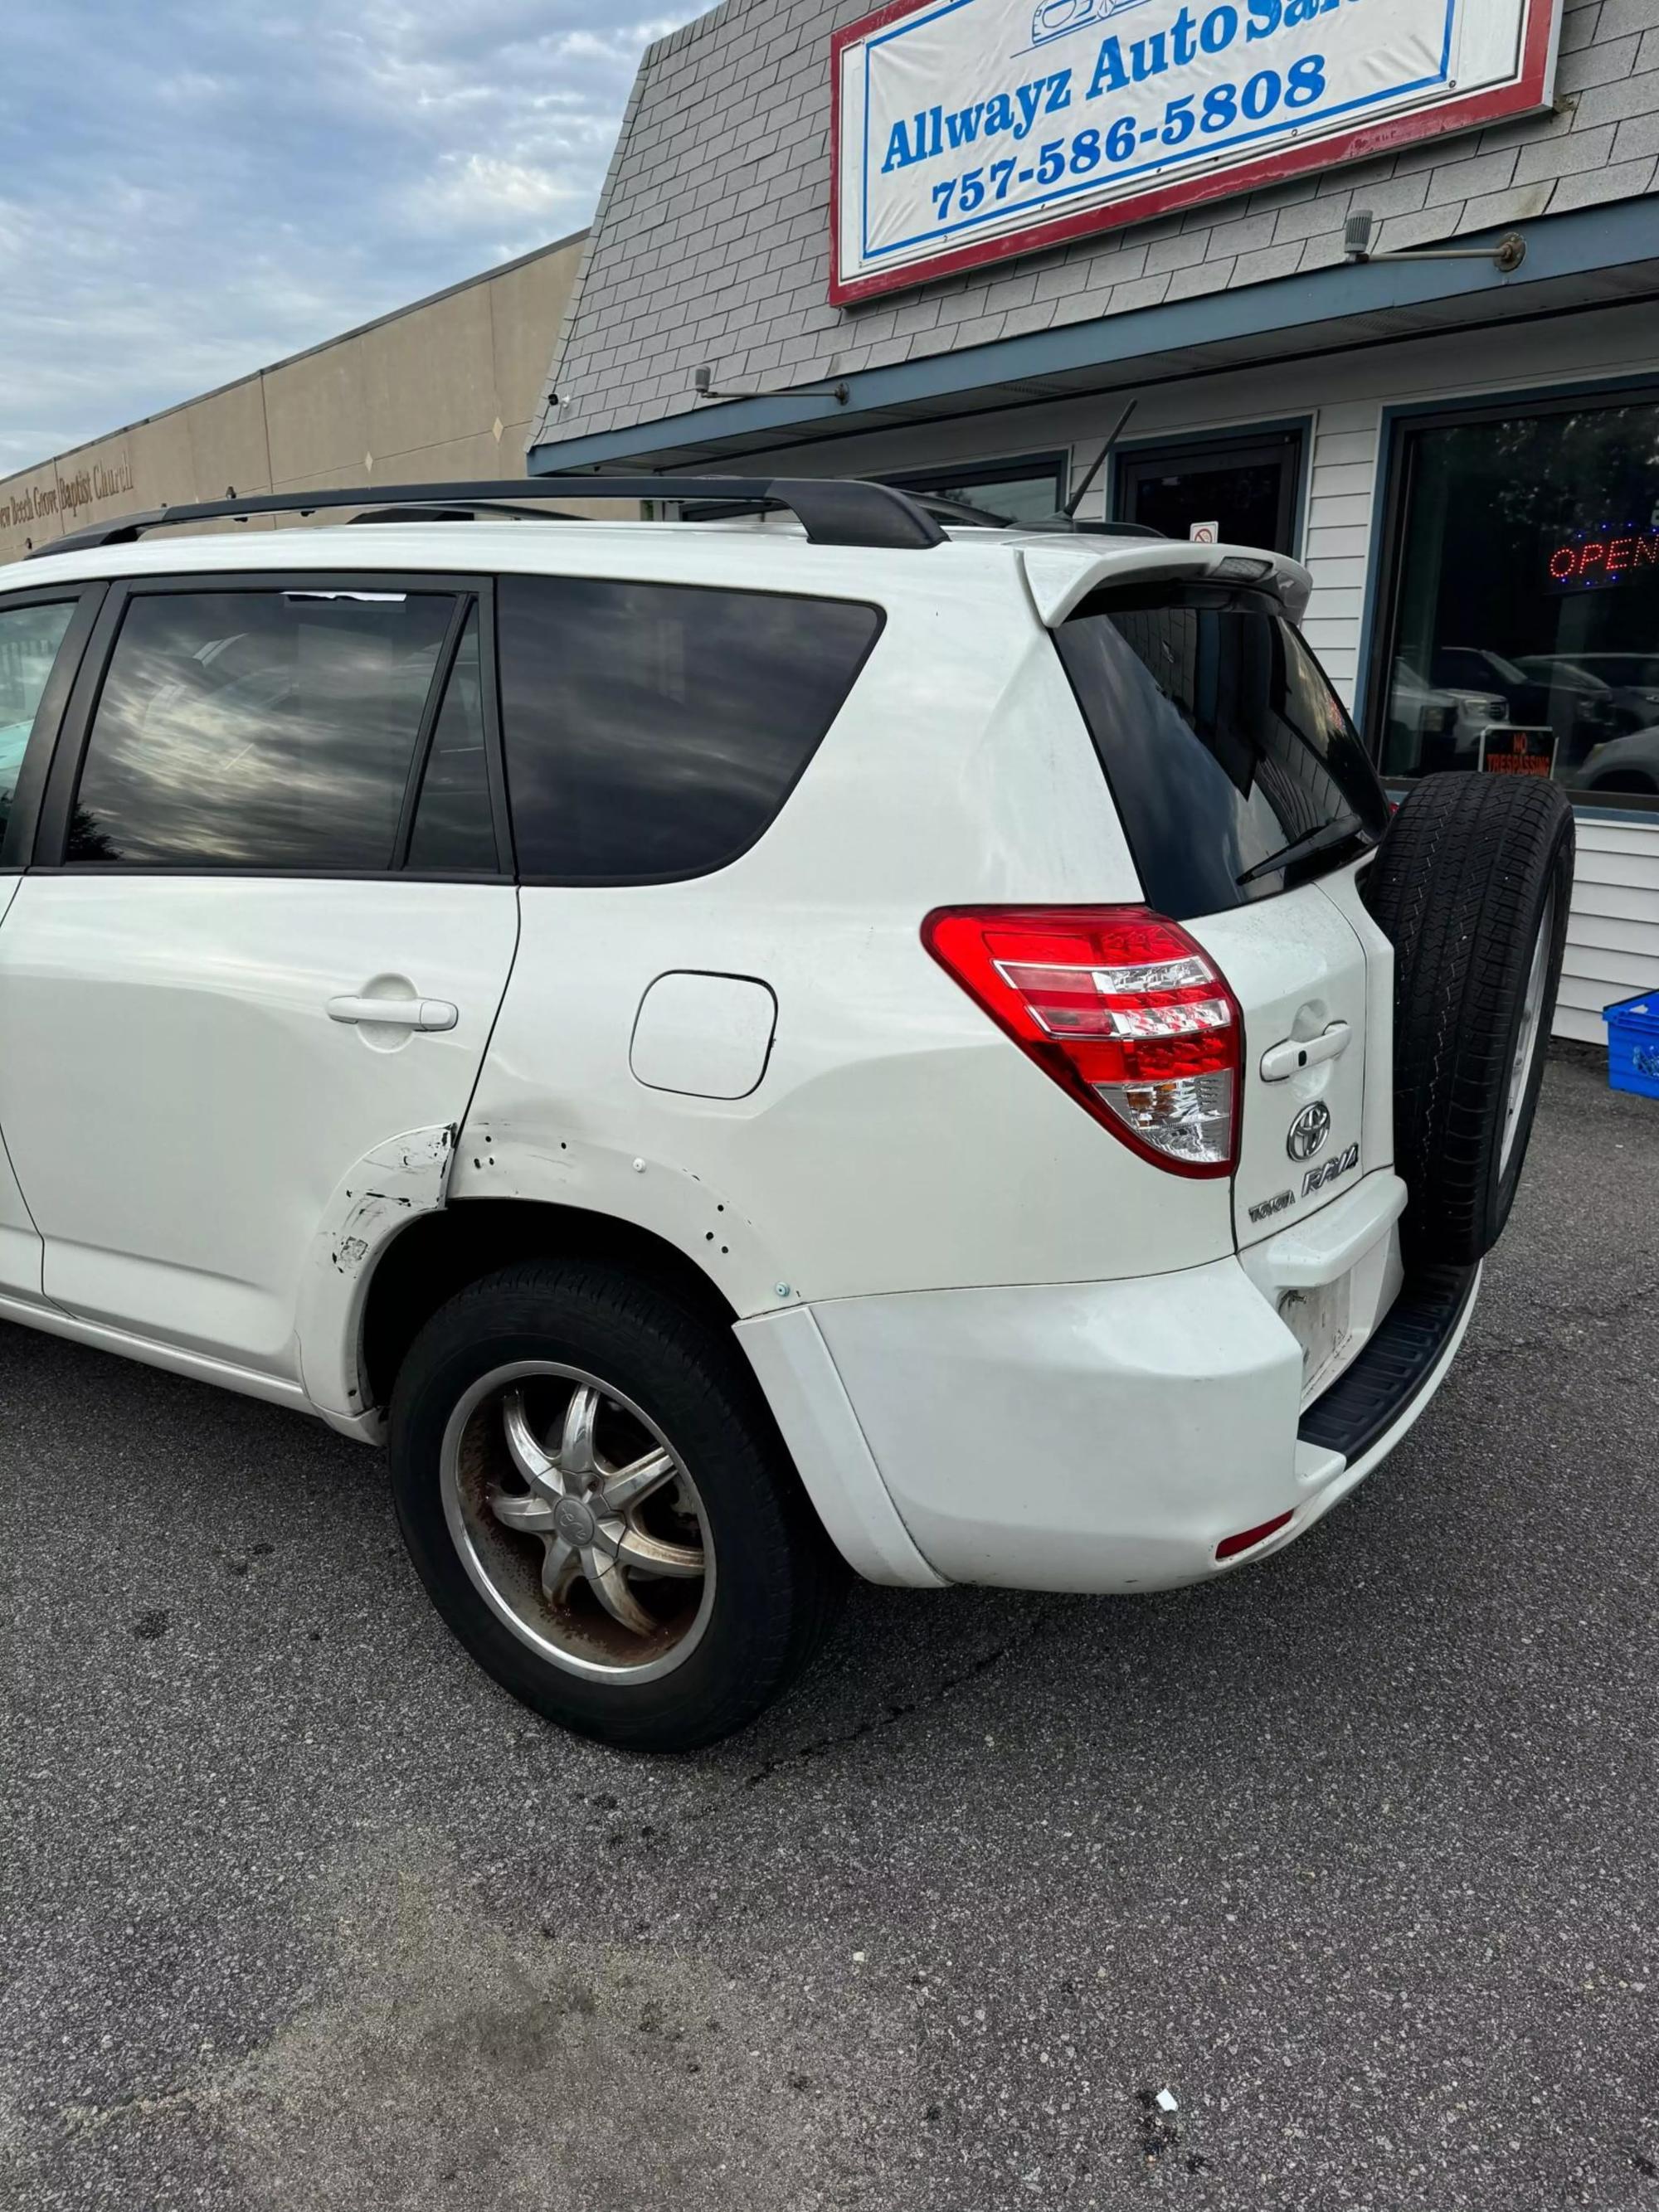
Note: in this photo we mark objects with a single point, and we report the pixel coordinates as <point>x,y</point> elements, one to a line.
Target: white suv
<point>747,1052</point>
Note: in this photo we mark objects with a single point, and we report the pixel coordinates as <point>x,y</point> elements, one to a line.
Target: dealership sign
<point>969,130</point>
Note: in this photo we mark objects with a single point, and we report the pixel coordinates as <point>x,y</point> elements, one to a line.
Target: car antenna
<point>1088,484</point>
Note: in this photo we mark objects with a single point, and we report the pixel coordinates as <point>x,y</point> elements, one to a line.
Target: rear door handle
<point>1280,1061</point>
<point>395,1013</point>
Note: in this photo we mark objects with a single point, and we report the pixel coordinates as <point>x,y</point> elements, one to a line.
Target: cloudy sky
<point>190,188</point>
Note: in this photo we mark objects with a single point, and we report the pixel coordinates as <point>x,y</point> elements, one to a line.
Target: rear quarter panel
<point>898,1140</point>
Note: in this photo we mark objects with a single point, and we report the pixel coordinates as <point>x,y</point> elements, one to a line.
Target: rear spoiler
<point>1061,580</point>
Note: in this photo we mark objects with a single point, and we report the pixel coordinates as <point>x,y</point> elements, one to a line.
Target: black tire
<point>778,1583</point>
<point>1463,886</point>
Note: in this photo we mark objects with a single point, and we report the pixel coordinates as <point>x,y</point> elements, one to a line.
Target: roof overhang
<point>1593,258</point>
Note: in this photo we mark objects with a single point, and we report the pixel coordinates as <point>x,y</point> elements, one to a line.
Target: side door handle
<point>395,1013</point>
<point>1280,1061</point>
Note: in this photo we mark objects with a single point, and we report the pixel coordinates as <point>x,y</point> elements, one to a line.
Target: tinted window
<point>268,730</point>
<point>1223,741</point>
<point>29,639</point>
<point>1523,634</point>
<point>454,830</point>
<point>654,730</point>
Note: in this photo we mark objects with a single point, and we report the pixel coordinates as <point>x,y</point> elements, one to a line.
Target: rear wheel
<point>593,1493</point>
<point>1473,884</point>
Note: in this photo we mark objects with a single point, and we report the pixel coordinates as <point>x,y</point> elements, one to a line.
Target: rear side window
<point>653,730</point>
<point>29,639</point>
<point>1224,744</point>
<point>273,730</point>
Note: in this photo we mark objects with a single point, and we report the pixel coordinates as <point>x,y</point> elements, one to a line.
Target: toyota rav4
<point>744,1052</point>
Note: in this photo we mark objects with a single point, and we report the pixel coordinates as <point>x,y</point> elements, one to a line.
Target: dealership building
<point>948,244</point>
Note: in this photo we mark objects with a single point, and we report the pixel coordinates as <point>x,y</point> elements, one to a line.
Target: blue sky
<point>190,188</point>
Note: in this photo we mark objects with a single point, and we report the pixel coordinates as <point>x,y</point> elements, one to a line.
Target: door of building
<point>1244,490</point>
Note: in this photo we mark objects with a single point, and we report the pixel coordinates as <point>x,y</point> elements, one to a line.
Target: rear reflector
<point>1122,1008</point>
<point>1248,1538</point>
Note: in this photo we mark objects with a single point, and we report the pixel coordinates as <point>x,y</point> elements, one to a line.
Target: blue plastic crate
<point>1633,1044</point>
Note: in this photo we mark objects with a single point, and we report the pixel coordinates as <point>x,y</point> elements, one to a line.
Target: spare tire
<point>1473,884</point>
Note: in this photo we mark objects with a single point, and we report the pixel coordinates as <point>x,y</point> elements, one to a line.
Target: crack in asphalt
<point>1600,1313</point>
<point>880,1723</point>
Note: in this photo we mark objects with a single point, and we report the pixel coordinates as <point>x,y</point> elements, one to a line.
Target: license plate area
<point>1319,1317</point>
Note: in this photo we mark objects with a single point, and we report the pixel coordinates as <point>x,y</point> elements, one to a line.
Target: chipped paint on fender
<point>536,1155</point>
<point>404,1177</point>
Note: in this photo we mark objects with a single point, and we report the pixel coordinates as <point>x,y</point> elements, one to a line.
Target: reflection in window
<point>656,730</point>
<point>454,830</point>
<point>1023,491</point>
<point>29,639</point>
<point>268,730</point>
<point>1222,740</point>
<point>1526,636</point>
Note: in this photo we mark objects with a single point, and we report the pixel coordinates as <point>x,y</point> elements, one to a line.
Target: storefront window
<point>1525,629</point>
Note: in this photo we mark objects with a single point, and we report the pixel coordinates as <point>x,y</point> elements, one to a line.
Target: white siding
<point>1613,937</point>
<point>1336,541</point>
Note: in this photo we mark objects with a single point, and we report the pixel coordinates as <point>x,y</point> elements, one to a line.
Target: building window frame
<point>1384,565</point>
<point>1184,447</point>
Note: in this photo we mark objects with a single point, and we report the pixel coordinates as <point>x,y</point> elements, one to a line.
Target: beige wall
<point>444,389</point>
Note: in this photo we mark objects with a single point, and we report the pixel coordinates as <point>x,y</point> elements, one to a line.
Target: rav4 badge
<point>1342,1164</point>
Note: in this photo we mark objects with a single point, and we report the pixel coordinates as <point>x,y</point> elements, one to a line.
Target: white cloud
<point>189,189</point>
<point>471,191</point>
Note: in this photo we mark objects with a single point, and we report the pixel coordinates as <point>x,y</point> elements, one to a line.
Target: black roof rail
<point>831,510</point>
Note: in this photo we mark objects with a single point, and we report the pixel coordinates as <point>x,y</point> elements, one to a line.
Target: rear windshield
<point>1224,744</point>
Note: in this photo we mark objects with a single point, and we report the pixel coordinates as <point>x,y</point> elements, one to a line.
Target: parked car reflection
<point>1431,726</point>
<point>1629,682</point>
<point>1628,764</point>
<point>1577,709</point>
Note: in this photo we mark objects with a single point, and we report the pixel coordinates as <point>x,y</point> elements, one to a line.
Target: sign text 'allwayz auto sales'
<point>967,130</point>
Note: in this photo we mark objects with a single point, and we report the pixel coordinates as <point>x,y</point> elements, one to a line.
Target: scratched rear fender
<point>374,1202</point>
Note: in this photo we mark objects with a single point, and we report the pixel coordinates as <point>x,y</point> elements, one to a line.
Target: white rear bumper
<point>1102,1436</point>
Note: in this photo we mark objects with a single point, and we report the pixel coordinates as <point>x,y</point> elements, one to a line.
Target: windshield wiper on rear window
<point>1329,833</point>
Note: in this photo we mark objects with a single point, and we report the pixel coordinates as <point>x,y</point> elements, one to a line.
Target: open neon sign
<point>1592,558</point>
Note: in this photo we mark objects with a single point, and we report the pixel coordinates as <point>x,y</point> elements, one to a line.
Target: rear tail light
<point>1122,1008</point>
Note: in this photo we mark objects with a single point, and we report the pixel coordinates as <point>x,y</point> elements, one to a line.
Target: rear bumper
<point>1403,1360</point>
<point>1096,1436</point>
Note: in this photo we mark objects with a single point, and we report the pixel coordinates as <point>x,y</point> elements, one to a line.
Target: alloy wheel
<point>577,1521</point>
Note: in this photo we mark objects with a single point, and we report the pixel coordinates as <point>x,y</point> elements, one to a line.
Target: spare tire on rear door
<point>1473,884</point>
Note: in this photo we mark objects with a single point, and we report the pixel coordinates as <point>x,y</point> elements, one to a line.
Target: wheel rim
<point>577,1521</point>
<point>1531,1033</point>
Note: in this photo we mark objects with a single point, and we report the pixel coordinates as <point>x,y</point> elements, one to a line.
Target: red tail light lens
<point>1120,1006</point>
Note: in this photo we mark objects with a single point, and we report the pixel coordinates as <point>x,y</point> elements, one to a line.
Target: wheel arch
<point>436,1254</point>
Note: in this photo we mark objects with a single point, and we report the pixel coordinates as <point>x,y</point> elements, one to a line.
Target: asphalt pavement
<point>1353,1855</point>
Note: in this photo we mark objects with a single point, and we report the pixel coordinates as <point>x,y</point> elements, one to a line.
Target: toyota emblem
<point>1309,1132</point>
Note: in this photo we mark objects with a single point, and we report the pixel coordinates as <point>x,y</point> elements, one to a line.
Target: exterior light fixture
<point>703,383</point>
<point>1358,232</point>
